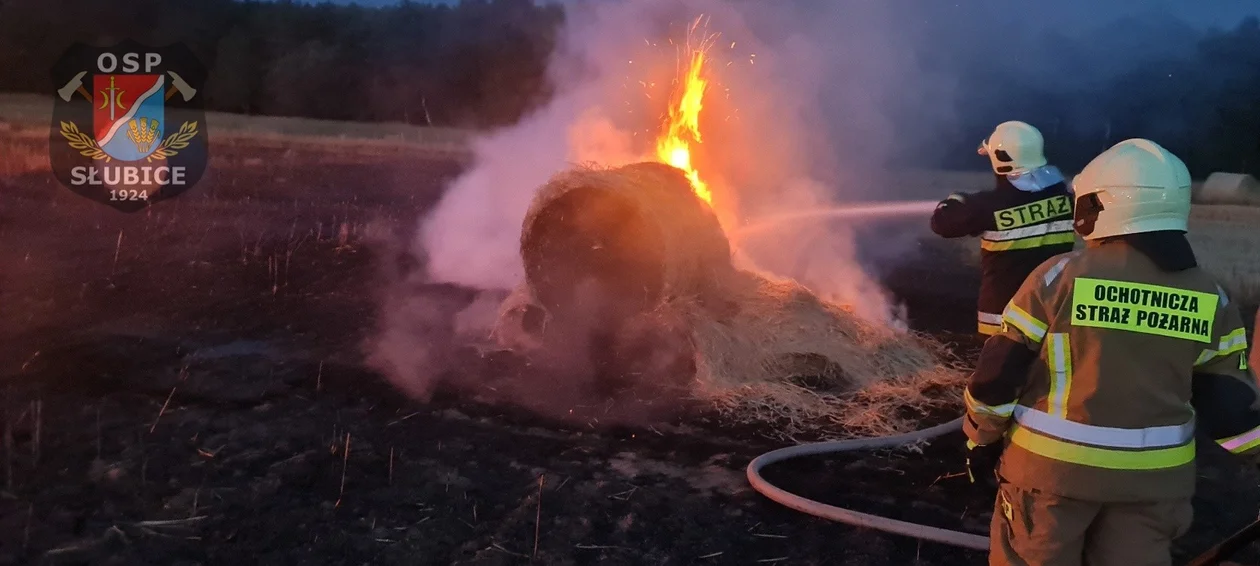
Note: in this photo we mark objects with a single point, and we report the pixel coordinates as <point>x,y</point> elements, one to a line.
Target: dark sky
<point>1068,13</point>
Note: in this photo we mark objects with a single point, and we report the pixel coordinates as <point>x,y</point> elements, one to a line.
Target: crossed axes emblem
<point>178,85</point>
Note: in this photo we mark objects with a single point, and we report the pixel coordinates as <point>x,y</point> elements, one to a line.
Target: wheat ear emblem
<point>88,147</point>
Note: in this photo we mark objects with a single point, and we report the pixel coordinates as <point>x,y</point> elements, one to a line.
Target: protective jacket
<point>1254,361</point>
<point>1105,358</point>
<point>1018,230</point>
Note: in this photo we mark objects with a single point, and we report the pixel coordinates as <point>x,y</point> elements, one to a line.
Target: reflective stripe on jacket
<point>1254,360</point>
<point>1128,359</point>
<point>1018,230</point>
<point>988,323</point>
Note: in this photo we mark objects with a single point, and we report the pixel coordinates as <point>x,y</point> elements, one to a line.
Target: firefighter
<point>1024,220</point>
<point>1087,398</point>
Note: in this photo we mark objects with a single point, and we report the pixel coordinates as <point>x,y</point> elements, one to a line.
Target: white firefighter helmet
<point>1014,148</point>
<point>1136,186</point>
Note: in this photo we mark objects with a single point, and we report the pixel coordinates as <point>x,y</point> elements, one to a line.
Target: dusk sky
<point>1067,13</point>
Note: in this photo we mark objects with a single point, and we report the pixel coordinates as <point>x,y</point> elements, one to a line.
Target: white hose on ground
<point>818,509</point>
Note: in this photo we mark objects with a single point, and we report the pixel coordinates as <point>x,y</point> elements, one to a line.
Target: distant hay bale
<point>632,254</point>
<point>1229,188</point>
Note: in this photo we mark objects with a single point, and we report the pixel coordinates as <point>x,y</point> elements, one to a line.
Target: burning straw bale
<point>637,230</point>
<point>633,254</point>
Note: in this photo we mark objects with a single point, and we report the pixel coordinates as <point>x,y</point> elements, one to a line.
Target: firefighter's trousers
<point>1033,528</point>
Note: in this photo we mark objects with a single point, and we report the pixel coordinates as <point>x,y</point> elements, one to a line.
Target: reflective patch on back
<point>1053,272</point>
<point>1033,212</point>
<point>1143,308</point>
<point>1221,293</point>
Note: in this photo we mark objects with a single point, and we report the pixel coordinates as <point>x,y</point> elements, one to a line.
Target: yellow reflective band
<point>1241,443</point>
<point>1059,351</point>
<point>1147,309</point>
<point>1233,342</point>
<point>1033,212</point>
<point>1028,243</point>
<point>1001,411</point>
<point>1034,329</point>
<point>1045,446</point>
<point>988,329</point>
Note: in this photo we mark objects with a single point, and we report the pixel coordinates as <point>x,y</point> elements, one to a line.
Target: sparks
<point>673,146</point>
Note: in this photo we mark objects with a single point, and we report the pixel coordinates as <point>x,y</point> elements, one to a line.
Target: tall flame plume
<point>682,129</point>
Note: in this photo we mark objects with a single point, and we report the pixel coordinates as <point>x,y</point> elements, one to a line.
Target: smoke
<point>798,117</point>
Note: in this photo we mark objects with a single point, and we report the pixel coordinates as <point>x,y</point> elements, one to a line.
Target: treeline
<point>479,63</point>
<point>1203,105</point>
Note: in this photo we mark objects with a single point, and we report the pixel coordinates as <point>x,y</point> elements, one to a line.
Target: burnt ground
<point>198,395</point>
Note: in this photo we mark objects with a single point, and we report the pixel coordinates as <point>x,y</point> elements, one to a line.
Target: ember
<point>683,125</point>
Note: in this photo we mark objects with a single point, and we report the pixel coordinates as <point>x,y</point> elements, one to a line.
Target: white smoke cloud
<point>799,116</point>
<point>472,237</point>
<point>796,117</point>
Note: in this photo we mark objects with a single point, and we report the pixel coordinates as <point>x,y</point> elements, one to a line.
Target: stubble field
<point>187,385</point>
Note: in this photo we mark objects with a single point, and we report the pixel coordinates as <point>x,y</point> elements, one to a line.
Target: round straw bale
<point>1229,188</point>
<point>638,233</point>
<point>629,275</point>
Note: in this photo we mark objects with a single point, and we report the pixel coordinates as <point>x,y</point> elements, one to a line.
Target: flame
<point>683,128</point>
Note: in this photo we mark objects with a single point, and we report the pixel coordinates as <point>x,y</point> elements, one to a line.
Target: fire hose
<point>848,516</point>
<point>1213,556</point>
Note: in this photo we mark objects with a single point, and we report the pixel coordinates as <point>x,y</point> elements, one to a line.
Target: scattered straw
<point>538,515</point>
<point>345,461</point>
<point>37,409</point>
<point>171,523</point>
<point>162,411</point>
<point>117,251</point>
<point>8,450</point>
<point>26,532</point>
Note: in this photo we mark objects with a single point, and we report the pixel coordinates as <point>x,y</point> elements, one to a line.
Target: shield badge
<point>128,127</point>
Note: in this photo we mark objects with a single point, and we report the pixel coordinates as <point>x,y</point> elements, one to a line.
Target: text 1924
<point>128,195</point>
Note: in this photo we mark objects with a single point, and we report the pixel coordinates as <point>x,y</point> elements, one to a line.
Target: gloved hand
<point>982,462</point>
<point>953,198</point>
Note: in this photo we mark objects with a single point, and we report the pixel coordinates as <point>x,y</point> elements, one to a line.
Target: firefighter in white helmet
<point>1086,402</point>
<point>1024,220</point>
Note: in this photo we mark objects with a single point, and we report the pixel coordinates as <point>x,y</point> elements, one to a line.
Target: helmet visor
<point>984,147</point>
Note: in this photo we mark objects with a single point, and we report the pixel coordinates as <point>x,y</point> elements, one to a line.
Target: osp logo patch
<point>128,125</point>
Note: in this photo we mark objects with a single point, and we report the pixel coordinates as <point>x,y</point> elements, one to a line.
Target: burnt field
<point>187,385</point>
